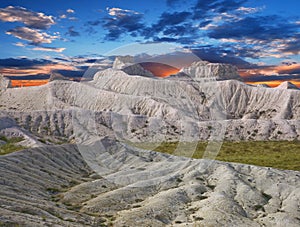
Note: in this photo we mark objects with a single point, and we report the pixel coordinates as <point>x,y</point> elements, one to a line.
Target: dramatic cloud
<point>263,28</point>
<point>170,19</point>
<point>22,62</point>
<point>30,19</point>
<point>291,46</point>
<point>203,8</point>
<point>31,35</point>
<point>172,27</point>
<point>280,72</point>
<point>72,32</point>
<point>122,22</point>
<point>25,66</point>
<point>49,49</point>
<point>220,55</point>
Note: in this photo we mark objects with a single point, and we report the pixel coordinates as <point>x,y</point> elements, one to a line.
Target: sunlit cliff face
<point>159,69</point>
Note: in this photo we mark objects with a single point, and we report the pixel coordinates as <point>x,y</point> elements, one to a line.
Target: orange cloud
<point>41,69</point>
<point>27,83</point>
<point>275,83</point>
<point>271,70</point>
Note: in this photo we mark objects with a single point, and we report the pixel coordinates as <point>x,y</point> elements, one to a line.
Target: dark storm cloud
<point>122,22</point>
<point>71,32</point>
<point>30,77</point>
<point>204,23</point>
<point>22,62</point>
<point>219,55</point>
<point>165,39</point>
<point>31,19</point>
<point>171,27</point>
<point>263,28</point>
<point>70,73</point>
<point>169,19</point>
<point>203,8</point>
<point>263,78</point>
<point>168,22</point>
<point>237,31</point>
<point>292,46</point>
<point>229,5</point>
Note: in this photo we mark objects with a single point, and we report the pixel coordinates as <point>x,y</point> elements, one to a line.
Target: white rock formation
<point>122,62</point>
<point>203,69</point>
<point>173,108</point>
<point>128,65</point>
<point>57,76</point>
<point>137,69</point>
<point>287,85</point>
<point>4,83</point>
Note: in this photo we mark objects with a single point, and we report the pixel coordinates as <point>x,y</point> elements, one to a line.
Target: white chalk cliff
<point>287,85</point>
<point>203,69</point>
<point>4,83</point>
<point>122,62</point>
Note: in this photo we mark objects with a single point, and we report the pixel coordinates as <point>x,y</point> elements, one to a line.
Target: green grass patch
<point>11,145</point>
<point>276,154</point>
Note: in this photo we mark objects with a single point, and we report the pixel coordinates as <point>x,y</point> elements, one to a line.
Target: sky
<point>262,37</point>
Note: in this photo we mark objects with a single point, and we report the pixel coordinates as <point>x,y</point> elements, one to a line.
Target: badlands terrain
<point>79,168</point>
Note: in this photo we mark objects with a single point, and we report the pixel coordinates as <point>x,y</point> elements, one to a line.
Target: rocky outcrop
<point>122,62</point>
<point>127,65</point>
<point>205,70</point>
<point>287,85</point>
<point>137,70</point>
<point>57,76</point>
<point>4,83</point>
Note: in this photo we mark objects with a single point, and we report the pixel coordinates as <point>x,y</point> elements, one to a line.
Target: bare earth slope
<point>53,186</point>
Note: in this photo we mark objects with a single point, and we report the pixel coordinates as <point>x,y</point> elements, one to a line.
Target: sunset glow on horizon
<point>28,83</point>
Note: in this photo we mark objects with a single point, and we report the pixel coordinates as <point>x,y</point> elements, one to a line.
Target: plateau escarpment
<point>150,108</point>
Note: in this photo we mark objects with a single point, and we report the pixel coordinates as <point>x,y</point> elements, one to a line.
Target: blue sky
<point>254,35</point>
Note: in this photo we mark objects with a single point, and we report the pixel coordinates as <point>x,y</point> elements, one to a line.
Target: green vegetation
<point>276,154</point>
<point>10,145</point>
